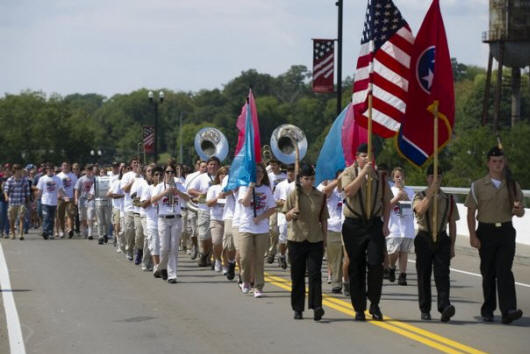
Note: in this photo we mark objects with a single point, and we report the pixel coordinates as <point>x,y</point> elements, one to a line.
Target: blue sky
<point>117,46</point>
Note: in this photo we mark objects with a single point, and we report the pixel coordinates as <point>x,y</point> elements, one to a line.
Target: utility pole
<point>339,4</point>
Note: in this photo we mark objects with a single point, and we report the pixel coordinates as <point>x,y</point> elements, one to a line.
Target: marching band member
<point>275,177</point>
<point>116,195</point>
<point>229,249</point>
<point>280,196</point>
<point>215,201</point>
<point>190,223</point>
<point>84,202</point>
<point>126,184</point>
<point>151,217</point>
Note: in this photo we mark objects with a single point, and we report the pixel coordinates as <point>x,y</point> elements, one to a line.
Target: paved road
<point>74,296</point>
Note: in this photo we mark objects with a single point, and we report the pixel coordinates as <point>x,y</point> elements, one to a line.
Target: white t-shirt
<point>201,184</point>
<point>69,181</point>
<point>401,222</point>
<point>151,212</point>
<point>280,193</point>
<point>137,188</point>
<point>115,189</point>
<point>216,212</point>
<point>228,209</point>
<point>334,203</point>
<point>164,205</point>
<point>275,179</point>
<point>264,202</point>
<point>83,186</point>
<point>237,210</point>
<point>189,178</point>
<point>49,186</point>
<point>127,201</point>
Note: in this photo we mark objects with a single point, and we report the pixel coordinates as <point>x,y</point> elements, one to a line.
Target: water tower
<point>509,41</point>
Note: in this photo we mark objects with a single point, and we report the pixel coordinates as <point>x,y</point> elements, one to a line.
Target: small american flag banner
<point>149,139</point>
<point>323,65</point>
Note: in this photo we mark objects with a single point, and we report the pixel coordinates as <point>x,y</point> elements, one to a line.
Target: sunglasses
<point>168,172</point>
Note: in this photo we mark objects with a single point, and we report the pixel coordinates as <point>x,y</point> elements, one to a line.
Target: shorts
<point>203,225</point>
<point>228,237</point>
<point>217,230</point>
<point>116,216</point>
<point>399,244</point>
<point>65,209</point>
<point>86,212</point>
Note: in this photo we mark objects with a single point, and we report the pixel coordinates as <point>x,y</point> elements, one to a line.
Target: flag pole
<point>435,174</point>
<point>369,179</point>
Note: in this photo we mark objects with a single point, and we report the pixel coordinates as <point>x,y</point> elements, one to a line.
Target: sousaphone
<point>282,143</point>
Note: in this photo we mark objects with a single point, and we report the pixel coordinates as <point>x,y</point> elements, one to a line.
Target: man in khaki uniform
<point>434,250</point>
<point>364,230</point>
<point>493,200</point>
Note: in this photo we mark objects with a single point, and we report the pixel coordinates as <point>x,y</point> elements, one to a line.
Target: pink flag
<point>240,124</point>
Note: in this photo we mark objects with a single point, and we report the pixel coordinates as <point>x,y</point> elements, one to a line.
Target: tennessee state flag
<point>431,79</point>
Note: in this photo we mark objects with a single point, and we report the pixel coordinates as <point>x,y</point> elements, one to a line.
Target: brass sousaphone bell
<point>211,142</point>
<point>282,143</point>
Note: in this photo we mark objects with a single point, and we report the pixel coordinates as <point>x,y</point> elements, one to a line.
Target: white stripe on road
<point>476,275</point>
<point>16,341</point>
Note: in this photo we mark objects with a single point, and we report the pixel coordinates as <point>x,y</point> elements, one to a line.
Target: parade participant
<point>493,200</point>
<point>401,227</point>
<point>84,203</point>
<point>16,193</point>
<point>257,205</point>
<point>191,230</point>
<point>307,211</point>
<point>66,211</point>
<point>98,192</point>
<point>168,195</point>
<point>4,220</point>
<point>280,196</point>
<point>116,195</point>
<point>364,231</point>
<point>139,217</point>
<point>333,191</point>
<point>434,253</point>
<point>151,216</point>
<point>76,169</point>
<point>198,189</point>
<point>275,177</point>
<point>215,200</point>
<point>229,249</point>
<point>50,187</point>
<point>235,233</point>
<point>126,184</point>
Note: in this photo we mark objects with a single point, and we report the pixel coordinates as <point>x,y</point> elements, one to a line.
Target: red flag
<point>323,65</point>
<point>240,124</point>
<point>432,79</point>
<point>149,140</point>
<point>383,68</point>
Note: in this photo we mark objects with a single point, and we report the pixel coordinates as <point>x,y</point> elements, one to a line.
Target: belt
<point>169,216</point>
<point>495,224</point>
<point>136,214</point>
<point>183,208</point>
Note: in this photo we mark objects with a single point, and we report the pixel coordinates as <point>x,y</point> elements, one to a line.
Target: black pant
<point>431,255</point>
<point>497,249</point>
<point>365,244</point>
<point>299,254</point>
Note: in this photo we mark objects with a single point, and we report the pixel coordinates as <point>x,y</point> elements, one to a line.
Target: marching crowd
<point>362,223</point>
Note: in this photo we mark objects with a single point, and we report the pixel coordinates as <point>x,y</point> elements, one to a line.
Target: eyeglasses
<point>168,172</point>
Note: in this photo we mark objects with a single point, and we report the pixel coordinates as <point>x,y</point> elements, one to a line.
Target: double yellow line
<point>417,334</point>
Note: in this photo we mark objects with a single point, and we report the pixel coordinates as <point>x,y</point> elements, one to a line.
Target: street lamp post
<point>155,104</point>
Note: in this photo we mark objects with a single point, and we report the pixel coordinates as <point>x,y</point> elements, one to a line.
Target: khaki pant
<point>185,235</point>
<point>335,254</point>
<point>103,218</point>
<point>146,257</point>
<point>252,251</point>
<point>228,236</point>
<point>65,209</point>
<point>217,230</point>
<point>129,233</point>
<point>274,232</point>
<point>16,215</point>
<point>138,233</point>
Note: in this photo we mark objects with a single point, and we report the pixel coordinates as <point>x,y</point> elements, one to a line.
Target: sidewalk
<point>522,251</point>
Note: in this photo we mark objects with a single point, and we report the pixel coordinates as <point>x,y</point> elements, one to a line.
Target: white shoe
<point>144,268</point>
<point>258,293</point>
<point>61,234</point>
<point>225,270</point>
<point>118,250</point>
<point>245,288</point>
<point>218,266</point>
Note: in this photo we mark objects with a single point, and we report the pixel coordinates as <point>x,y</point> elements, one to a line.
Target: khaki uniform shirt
<point>446,211</point>
<point>381,193</point>
<point>493,204</point>
<point>313,208</point>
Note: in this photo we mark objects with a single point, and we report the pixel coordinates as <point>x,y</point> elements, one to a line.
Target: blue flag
<point>243,169</point>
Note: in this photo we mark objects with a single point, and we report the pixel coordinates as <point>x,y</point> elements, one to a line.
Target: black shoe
<point>447,313</point>
<point>100,241</point>
<point>392,275</point>
<point>512,315</point>
<point>194,253</point>
<point>138,258</point>
<point>283,262</point>
<point>487,318</point>
<point>70,234</point>
<point>375,311</point>
<point>172,281</point>
<point>230,275</point>
<point>425,316</point>
<point>402,280</point>
<point>270,258</point>
<point>164,274</point>
<point>346,289</point>
<point>90,237</point>
<point>336,290</point>
<point>359,316</point>
<point>202,260</point>
<point>157,274</point>
<point>45,235</point>
<point>319,312</point>
<point>105,239</point>
<point>385,273</point>
<point>298,315</point>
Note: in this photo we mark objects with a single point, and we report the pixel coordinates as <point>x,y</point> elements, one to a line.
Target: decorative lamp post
<point>155,104</point>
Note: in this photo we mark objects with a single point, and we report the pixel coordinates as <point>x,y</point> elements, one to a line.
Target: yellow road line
<point>428,338</point>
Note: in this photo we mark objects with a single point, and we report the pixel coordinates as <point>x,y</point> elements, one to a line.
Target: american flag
<point>383,68</point>
<point>149,139</point>
<point>323,64</point>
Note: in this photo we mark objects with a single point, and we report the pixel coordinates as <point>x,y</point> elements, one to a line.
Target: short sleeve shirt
<point>264,201</point>
<point>69,181</point>
<point>166,206</point>
<point>50,188</point>
<point>127,201</point>
<point>201,184</point>
<point>216,211</point>
<point>492,203</point>
<point>446,211</point>
<point>401,222</point>
<point>313,209</point>
<point>151,212</point>
<point>334,204</point>
<point>275,179</point>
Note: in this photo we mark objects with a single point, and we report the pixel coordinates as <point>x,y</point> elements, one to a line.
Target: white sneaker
<point>225,270</point>
<point>218,266</point>
<point>144,268</point>
<point>245,288</point>
<point>258,293</point>
<point>61,234</point>
<point>118,250</point>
